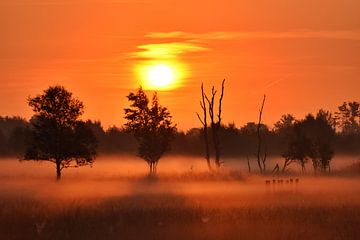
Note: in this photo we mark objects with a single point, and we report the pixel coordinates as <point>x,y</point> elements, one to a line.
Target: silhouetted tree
<point>235,141</point>
<point>298,147</point>
<point>19,140</point>
<point>118,140</point>
<point>151,125</point>
<point>261,159</point>
<point>189,143</point>
<point>15,135</point>
<point>312,139</point>
<point>283,129</point>
<point>193,139</point>
<point>96,128</point>
<point>216,123</point>
<point>348,117</point>
<point>248,139</point>
<point>58,135</point>
<point>203,121</point>
<point>321,132</point>
<point>285,123</point>
<point>229,136</point>
<point>327,116</point>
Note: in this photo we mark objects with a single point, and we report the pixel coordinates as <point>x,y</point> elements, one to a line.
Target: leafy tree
<point>9,124</point>
<point>151,125</point>
<point>284,130</point>
<point>298,148</point>
<point>229,136</point>
<point>18,140</point>
<point>285,123</point>
<point>118,140</point>
<point>320,131</point>
<point>248,137</point>
<point>58,135</point>
<point>216,120</point>
<point>312,139</point>
<point>14,135</point>
<point>348,117</point>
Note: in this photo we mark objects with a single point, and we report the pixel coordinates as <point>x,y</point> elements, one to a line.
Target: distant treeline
<point>15,134</point>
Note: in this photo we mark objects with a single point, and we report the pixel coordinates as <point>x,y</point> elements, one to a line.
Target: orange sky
<point>303,54</point>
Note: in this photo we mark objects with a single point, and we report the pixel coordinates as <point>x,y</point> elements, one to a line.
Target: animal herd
<point>282,181</point>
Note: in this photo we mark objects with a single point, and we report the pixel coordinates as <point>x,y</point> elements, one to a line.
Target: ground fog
<point>116,200</point>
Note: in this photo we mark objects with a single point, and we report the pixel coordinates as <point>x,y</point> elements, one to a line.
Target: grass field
<point>183,206</point>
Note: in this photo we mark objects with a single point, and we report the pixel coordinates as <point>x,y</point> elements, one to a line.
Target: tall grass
<point>174,217</point>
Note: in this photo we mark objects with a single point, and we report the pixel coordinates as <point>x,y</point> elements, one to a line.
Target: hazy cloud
<point>166,50</point>
<point>243,35</point>
<point>65,2</point>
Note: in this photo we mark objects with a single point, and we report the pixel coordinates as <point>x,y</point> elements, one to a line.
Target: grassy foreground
<point>165,216</point>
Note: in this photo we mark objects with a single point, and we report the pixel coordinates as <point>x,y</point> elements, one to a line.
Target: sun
<point>160,75</point>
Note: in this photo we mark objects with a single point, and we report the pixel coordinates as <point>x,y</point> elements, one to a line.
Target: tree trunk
<point>207,149</point>
<point>58,170</point>
<point>215,126</point>
<point>261,163</point>
<point>216,144</point>
<point>152,168</point>
<point>204,123</point>
<point>218,126</point>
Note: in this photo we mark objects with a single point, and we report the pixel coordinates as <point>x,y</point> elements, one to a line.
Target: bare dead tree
<point>205,126</point>
<point>216,124</point>
<point>261,159</point>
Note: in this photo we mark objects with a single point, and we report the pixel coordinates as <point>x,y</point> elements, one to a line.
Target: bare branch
<point>202,105</point>
<point>261,162</point>
<point>202,122</point>
<point>220,101</point>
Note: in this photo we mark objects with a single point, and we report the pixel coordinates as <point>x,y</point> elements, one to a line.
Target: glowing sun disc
<point>160,75</point>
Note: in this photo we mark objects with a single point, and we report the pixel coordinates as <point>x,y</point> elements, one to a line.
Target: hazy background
<point>129,166</point>
<point>302,54</point>
<point>126,176</point>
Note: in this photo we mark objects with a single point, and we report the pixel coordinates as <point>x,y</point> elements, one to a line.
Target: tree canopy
<point>152,126</point>
<point>312,138</point>
<point>348,118</point>
<point>58,134</point>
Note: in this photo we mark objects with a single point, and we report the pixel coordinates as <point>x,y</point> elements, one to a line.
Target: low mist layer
<point>116,199</point>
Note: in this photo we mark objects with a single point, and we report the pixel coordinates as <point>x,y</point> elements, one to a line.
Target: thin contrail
<point>271,84</point>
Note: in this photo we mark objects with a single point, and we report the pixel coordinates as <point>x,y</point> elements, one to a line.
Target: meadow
<point>116,200</point>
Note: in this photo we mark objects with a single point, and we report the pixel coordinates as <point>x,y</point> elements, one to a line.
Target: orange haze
<point>303,54</point>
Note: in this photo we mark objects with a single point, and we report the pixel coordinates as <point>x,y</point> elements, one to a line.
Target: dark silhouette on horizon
<point>347,118</point>
<point>57,134</point>
<point>261,154</point>
<point>311,138</point>
<point>208,108</point>
<point>204,122</point>
<point>285,139</point>
<point>151,126</point>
